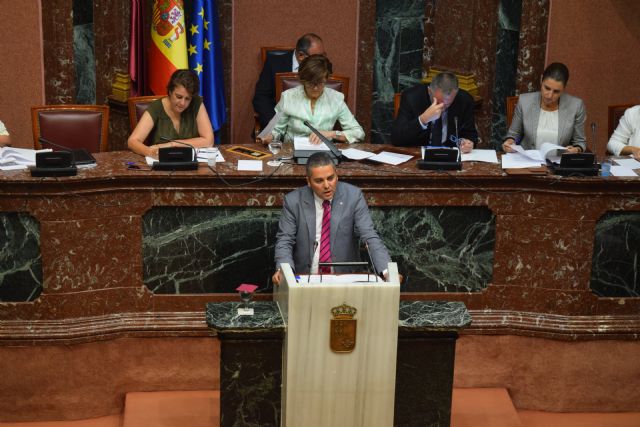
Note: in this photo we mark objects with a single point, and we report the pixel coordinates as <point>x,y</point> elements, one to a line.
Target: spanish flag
<point>168,49</point>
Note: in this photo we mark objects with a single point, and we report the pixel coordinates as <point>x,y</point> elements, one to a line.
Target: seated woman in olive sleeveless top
<point>179,116</point>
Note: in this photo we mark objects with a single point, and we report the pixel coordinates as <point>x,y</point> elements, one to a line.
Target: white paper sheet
<point>338,278</point>
<point>628,163</point>
<point>488,156</point>
<point>355,154</point>
<point>518,161</point>
<point>204,154</point>
<point>302,143</point>
<point>390,158</point>
<point>249,165</point>
<point>622,171</point>
<point>11,157</point>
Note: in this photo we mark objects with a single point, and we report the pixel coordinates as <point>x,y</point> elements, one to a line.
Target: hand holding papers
<point>302,143</point>
<point>522,158</point>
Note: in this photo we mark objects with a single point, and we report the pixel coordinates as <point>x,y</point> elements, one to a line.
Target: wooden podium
<point>339,358</point>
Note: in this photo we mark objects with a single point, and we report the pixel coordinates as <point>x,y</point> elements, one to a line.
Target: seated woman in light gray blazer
<point>549,115</point>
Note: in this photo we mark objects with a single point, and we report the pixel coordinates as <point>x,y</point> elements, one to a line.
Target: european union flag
<point>205,58</point>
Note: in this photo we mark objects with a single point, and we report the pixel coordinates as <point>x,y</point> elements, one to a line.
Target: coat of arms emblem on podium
<point>343,329</point>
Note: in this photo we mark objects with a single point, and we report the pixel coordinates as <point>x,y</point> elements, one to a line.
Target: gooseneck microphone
<point>324,139</point>
<point>44,141</point>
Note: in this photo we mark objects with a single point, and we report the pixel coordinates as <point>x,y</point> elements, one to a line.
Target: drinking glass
<point>275,147</point>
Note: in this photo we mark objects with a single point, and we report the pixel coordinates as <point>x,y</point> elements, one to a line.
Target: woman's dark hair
<point>314,69</point>
<point>186,78</point>
<point>556,71</point>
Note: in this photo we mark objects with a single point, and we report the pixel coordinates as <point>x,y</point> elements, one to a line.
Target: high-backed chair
<point>511,106</point>
<point>71,126</point>
<point>615,114</point>
<point>396,103</point>
<point>274,50</point>
<point>266,51</point>
<point>286,81</point>
<point>137,105</point>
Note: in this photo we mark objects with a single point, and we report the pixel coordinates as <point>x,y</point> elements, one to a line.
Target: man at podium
<point>325,222</point>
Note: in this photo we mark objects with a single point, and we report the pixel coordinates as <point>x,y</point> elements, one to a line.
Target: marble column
<point>427,336</point>
<point>397,61</point>
<point>250,363</point>
<point>533,45</point>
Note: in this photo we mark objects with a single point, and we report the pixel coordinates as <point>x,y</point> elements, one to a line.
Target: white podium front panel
<point>325,388</point>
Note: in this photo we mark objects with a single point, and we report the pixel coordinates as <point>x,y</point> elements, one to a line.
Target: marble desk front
<point>115,251</point>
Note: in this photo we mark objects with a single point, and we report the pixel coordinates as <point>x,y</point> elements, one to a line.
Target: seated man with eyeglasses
<point>264,99</point>
<point>319,105</point>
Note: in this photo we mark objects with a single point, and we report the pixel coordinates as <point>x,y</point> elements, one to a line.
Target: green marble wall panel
<point>616,253</point>
<point>212,250</point>
<point>20,258</point>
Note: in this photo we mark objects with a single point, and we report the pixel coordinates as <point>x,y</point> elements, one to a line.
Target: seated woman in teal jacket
<point>550,115</point>
<point>322,107</point>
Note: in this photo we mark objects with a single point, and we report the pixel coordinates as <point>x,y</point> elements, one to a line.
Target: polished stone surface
<point>330,388</point>
<point>207,250</point>
<point>616,255</point>
<point>223,316</point>
<point>506,64</point>
<point>533,45</point>
<point>20,258</point>
<point>91,241</point>
<point>84,63</point>
<point>433,315</point>
<point>250,363</point>
<point>439,249</point>
<point>397,60</point>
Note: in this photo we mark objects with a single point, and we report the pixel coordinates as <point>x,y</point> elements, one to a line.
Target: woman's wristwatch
<point>337,134</point>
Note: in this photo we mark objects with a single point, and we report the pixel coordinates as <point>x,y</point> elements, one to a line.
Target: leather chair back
<point>71,126</point>
<point>511,103</point>
<point>137,105</point>
<point>274,50</point>
<point>615,114</point>
<point>286,81</point>
<point>396,103</point>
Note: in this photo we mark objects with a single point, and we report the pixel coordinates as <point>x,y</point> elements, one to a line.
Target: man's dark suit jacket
<point>264,99</point>
<point>415,100</point>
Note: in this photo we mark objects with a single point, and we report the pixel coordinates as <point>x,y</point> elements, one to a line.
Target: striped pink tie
<point>325,237</point>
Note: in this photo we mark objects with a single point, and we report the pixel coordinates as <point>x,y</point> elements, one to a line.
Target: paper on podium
<point>339,278</point>
<point>355,154</point>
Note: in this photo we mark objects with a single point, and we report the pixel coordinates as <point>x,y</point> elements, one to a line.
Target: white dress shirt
<point>547,128</point>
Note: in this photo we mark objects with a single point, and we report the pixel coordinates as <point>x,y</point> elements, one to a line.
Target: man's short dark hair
<point>317,160</point>
<point>304,42</point>
<point>447,82</point>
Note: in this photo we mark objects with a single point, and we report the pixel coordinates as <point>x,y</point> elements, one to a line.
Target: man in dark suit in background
<point>325,221</point>
<point>264,99</point>
<point>428,115</point>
